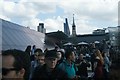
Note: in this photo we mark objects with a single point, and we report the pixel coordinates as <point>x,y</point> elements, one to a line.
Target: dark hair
<point>42,54</point>
<point>56,47</point>
<point>33,46</point>
<point>22,60</point>
<point>28,49</point>
<point>51,53</point>
<point>62,53</point>
<point>38,50</point>
<point>68,52</point>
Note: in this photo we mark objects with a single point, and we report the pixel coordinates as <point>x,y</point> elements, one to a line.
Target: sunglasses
<point>5,71</point>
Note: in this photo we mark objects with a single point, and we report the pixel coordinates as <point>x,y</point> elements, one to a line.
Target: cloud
<point>51,24</point>
<point>18,10</point>
<point>89,15</point>
<point>54,24</point>
<point>84,27</point>
<point>95,9</point>
<point>33,23</point>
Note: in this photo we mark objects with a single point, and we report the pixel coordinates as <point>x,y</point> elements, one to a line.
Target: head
<point>41,59</point>
<point>81,56</point>
<point>56,48</point>
<point>15,64</point>
<point>99,55</point>
<point>59,54</point>
<point>51,59</point>
<point>28,49</point>
<point>93,45</point>
<point>104,54</point>
<point>37,53</point>
<point>70,55</point>
<point>34,47</point>
<point>45,50</point>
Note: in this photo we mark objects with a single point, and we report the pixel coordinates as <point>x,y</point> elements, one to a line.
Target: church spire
<point>73,28</point>
<point>73,21</point>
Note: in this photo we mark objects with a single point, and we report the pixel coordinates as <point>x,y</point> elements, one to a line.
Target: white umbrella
<point>97,42</point>
<point>68,43</point>
<point>82,43</point>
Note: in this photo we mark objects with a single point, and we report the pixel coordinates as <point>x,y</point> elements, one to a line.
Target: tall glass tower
<point>66,27</point>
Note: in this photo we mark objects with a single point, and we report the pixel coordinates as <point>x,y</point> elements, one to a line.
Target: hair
<point>51,53</point>
<point>68,52</point>
<point>42,54</point>
<point>99,54</point>
<point>62,53</point>
<point>22,60</point>
<point>38,50</point>
<point>28,49</point>
<point>34,47</point>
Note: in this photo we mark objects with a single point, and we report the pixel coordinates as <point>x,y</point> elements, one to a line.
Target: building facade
<point>66,28</point>
<point>73,28</point>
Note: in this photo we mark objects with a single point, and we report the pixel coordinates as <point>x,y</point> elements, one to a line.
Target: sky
<point>89,14</point>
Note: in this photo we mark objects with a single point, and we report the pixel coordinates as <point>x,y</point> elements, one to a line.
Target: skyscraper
<point>73,28</point>
<point>66,28</point>
<point>41,28</point>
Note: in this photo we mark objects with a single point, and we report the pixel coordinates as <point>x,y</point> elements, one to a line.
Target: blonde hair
<point>99,54</point>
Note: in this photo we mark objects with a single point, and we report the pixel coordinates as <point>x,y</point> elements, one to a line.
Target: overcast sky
<point>89,14</point>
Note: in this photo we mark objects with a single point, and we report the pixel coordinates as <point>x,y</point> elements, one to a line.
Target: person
<point>60,57</point>
<point>106,65</point>
<point>92,50</point>
<point>15,65</point>
<point>68,65</point>
<point>98,69</point>
<point>38,61</point>
<point>41,59</point>
<point>28,49</point>
<point>56,48</point>
<point>33,50</point>
<point>32,53</point>
<point>45,50</point>
<point>49,71</point>
<point>92,60</point>
<point>82,65</point>
<point>114,72</point>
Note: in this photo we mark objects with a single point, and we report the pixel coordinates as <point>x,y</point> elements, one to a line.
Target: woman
<point>98,66</point>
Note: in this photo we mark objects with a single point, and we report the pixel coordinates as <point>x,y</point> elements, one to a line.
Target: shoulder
<point>40,68</point>
<point>60,72</point>
<point>62,63</point>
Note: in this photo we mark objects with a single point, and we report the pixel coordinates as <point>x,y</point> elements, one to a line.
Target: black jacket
<point>82,68</point>
<point>41,73</point>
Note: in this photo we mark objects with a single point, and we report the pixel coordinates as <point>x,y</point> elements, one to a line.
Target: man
<point>32,53</point>
<point>39,58</point>
<point>15,65</point>
<point>38,61</point>
<point>49,71</point>
<point>68,65</point>
<point>82,65</point>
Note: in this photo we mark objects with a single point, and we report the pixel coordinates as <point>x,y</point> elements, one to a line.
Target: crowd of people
<point>59,64</point>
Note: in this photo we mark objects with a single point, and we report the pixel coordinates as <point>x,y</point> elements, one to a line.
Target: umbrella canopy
<point>68,43</point>
<point>82,43</point>
<point>97,42</point>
